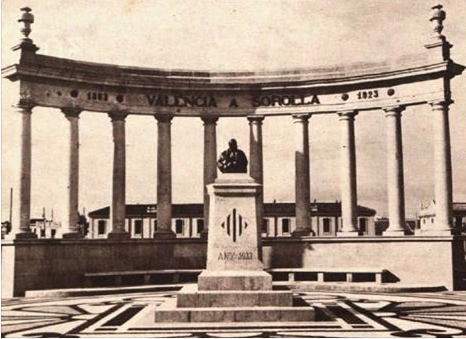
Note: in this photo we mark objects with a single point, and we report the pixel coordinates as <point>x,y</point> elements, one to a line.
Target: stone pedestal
<point>234,238</point>
<point>234,241</point>
<point>234,287</point>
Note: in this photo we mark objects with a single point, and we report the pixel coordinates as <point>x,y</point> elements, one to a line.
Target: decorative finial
<point>436,17</point>
<point>27,19</point>
<point>438,44</point>
<point>26,44</point>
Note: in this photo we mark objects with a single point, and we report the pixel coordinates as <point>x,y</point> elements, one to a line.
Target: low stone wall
<point>61,263</point>
<point>410,260</point>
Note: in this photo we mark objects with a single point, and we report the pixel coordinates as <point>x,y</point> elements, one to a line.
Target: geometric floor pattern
<point>413,315</point>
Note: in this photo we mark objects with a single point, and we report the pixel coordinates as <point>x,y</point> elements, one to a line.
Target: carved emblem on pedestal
<point>234,225</point>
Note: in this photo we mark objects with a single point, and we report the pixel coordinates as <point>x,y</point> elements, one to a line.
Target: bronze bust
<point>232,160</point>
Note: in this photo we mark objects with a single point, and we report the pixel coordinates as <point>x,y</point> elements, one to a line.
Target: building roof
<point>197,210</point>
<point>317,209</point>
<point>459,209</point>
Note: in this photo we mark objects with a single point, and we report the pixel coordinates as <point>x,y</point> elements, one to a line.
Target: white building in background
<point>426,216</point>
<point>42,227</point>
<point>188,222</point>
<point>46,228</point>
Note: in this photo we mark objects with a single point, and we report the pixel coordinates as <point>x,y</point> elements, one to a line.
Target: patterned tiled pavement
<point>441,314</point>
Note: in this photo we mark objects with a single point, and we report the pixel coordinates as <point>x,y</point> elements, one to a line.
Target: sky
<point>228,35</point>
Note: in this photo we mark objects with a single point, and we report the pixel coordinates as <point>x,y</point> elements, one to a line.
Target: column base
<point>164,234</point>
<point>118,235</point>
<point>348,234</point>
<point>72,235</point>
<point>394,233</point>
<point>23,235</point>
<point>301,233</point>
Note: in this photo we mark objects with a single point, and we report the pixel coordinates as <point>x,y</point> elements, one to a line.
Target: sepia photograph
<point>233,169</point>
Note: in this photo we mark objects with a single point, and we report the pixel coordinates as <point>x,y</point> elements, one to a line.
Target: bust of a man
<point>232,160</point>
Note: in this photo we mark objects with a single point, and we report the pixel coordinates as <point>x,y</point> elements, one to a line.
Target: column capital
<point>347,115</point>
<point>394,110</point>
<point>71,112</point>
<point>301,117</point>
<point>163,118</point>
<point>25,106</point>
<point>209,120</point>
<point>255,118</point>
<point>117,116</point>
<point>440,104</point>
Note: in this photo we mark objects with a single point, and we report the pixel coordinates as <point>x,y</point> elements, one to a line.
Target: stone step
<point>235,314</point>
<point>189,296</point>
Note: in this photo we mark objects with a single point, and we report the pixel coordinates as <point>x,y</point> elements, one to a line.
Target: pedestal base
<point>234,281</point>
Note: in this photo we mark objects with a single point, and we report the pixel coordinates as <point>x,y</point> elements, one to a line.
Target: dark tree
<point>83,224</point>
<point>6,226</point>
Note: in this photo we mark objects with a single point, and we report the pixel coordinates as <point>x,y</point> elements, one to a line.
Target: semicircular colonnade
<point>75,86</point>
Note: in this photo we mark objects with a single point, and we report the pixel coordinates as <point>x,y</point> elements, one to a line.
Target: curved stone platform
<point>336,314</point>
<point>302,286</point>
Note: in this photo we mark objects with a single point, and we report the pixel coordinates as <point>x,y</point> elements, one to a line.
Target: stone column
<point>21,229</point>
<point>210,164</point>
<point>71,229</point>
<point>442,170</point>
<point>395,179</point>
<point>119,177</point>
<point>255,149</point>
<point>302,178</point>
<point>348,176</point>
<point>164,178</point>
<point>256,166</point>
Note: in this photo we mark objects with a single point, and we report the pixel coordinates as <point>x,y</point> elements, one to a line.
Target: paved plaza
<point>440,314</point>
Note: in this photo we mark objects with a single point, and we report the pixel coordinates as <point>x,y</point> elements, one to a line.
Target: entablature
<point>63,83</point>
